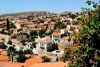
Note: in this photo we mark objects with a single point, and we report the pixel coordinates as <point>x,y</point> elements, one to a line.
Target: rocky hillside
<point>65,13</point>
<point>26,14</point>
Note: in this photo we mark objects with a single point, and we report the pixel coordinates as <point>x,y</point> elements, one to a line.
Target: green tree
<point>50,32</point>
<point>86,52</point>
<point>61,25</point>
<point>2,19</point>
<point>75,23</point>
<point>73,16</point>
<point>33,33</point>
<point>28,51</point>
<point>11,52</point>
<point>45,59</point>
<point>20,52</point>
<point>41,32</point>
<point>34,44</point>
<point>21,58</point>
<point>10,42</point>
<point>54,46</point>
<point>29,18</point>
<point>2,32</point>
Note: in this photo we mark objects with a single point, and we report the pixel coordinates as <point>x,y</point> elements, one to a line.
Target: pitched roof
<point>31,26</point>
<point>1,23</point>
<point>1,41</point>
<point>56,34</point>
<point>75,26</point>
<point>2,29</point>
<point>3,52</point>
<point>45,40</point>
<point>35,29</point>
<point>41,23</point>
<point>29,23</point>
<point>3,55</point>
<point>11,64</point>
<point>46,22</point>
<point>65,38</point>
<point>4,58</point>
<point>33,60</point>
<point>49,64</point>
<point>52,23</point>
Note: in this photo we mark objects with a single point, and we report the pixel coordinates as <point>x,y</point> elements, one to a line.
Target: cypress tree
<point>7,24</point>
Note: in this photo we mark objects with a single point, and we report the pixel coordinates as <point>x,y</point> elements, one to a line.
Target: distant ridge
<point>34,13</point>
<point>26,14</point>
<point>65,13</point>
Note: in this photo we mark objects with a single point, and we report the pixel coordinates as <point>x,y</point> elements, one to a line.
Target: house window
<point>42,45</point>
<point>49,44</point>
<point>56,37</point>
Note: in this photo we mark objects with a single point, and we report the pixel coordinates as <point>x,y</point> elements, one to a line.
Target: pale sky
<point>56,6</point>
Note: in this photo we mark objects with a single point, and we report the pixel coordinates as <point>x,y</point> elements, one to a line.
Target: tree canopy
<point>85,51</point>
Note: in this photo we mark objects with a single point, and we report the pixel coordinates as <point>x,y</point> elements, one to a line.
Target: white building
<point>63,31</point>
<point>45,44</point>
<point>56,37</point>
<point>18,26</point>
<point>67,20</point>
<point>68,27</point>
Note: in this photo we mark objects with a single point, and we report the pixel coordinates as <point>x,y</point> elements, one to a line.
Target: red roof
<point>33,60</point>
<point>56,34</point>
<point>11,64</point>
<point>4,58</point>
<point>50,64</point>
<point>65,38</point>
<point>45,41</point>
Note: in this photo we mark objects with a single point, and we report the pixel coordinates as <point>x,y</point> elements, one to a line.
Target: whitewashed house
<point>45,44</point>
<point>67,21</point>
<point>68,27</point>
<point>56,37</point>
<point>63,31</point>
<point>18,26</point>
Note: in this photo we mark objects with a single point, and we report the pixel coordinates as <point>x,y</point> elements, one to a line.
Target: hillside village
<point>35,41</point>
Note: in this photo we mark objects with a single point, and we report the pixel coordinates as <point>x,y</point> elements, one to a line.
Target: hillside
<point>25,14</point>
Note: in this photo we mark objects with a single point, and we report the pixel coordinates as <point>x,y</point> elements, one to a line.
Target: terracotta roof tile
<point>11,64</point>
<point>46,23</point>
<point>33,60</point>
<point>4,58</point>
<point>3,52</point>
<point>45,40</point>
<point>2,29</point>
<point>56,34</point>
<point>65,38</point>
<point>51,25</point>
<point>1,41</point>
<point>29,23</point>
<point>50,64</point>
